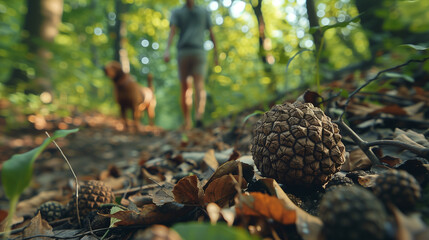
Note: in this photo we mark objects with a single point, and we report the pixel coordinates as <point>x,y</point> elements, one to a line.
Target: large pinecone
<point>297,144</point>
<point>399,188</point>
<point>92,194</point>
<point>351,213</point>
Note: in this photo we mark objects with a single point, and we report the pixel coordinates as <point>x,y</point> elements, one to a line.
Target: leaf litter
<point>169,185</point>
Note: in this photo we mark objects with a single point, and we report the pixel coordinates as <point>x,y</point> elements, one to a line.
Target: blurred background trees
<point>52,51</point>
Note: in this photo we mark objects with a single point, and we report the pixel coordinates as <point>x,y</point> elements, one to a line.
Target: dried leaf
<point>408,226</point>
<point>126,218</point>
<point>391,161</point>
<point>228,215</point>
<point>367,180</point>
<point>308,226</point>
<point>260,204</point>
<point>188,191</point>
<point>210,159</point>
<point>414,109</point>
<point>391,109</point>
<point>3,216</point>
<point>222,190</point>
<point>162,196</point>
<point>213,210</point>
<point>231,167</point>
<point>309,97</point>
<point>356,160</point>
<point>38,226</point>
<point>234,155</point>
<point>157,232</point>
<point>152,214</point>
<point>416,168</point>
<point>411,137</point>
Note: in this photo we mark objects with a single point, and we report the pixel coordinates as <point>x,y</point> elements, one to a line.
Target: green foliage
<point>194,231</point>
<point>335,25</point>
<point>18,171</point>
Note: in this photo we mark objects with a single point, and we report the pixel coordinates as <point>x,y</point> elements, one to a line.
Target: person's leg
<point>200,97</point>
<point>198,73</point>
<point>185,91</point>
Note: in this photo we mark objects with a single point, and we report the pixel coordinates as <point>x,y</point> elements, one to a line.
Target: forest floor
<point>144,170</point>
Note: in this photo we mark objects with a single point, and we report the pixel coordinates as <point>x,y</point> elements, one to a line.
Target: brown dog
<point>130,95</point>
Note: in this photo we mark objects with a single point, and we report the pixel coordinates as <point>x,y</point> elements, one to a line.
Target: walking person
<point>192,22</point>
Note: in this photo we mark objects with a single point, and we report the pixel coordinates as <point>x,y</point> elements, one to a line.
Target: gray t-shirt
<point>192,24</point>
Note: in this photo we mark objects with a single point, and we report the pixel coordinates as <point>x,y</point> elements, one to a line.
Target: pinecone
<point>92,194</point>
<point>338,180</point>
<point>397,187</point>
<point>352,213</point>
<point>51,211</point>
<point>297,144</point>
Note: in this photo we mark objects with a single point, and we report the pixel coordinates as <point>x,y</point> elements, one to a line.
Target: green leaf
<point>296,54</point>
<point>18,170</point>
<point>415,47</point>
<point>196,231</point>
<point>336,25</point>
<point>399,75</point>
<point>257,112</point>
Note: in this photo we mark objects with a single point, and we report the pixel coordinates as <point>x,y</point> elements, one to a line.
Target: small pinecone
<point>352,213</point>
<point>51,211</point>
<point>92,194</point>
<point>338,180</point>
<point>397,187</point>
<point>297,144</point>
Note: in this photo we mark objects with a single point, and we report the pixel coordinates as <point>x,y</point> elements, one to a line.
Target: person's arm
<point>170,40</point>
<point>215,55</point>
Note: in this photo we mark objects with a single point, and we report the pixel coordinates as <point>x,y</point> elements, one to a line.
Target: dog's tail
<point>150,81</point>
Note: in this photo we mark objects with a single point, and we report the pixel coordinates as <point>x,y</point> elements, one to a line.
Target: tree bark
<point>121,54</point>
<point>314,22</point>
<point>264,45</point>
<point>41,26</point>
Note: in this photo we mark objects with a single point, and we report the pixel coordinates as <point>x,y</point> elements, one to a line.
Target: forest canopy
<point>52,52</point>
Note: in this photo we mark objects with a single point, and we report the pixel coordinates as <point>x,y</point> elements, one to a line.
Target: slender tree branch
<point>366,146</point>
<point>358,141</point>
<point>420,151</point>
<point>376,77</point>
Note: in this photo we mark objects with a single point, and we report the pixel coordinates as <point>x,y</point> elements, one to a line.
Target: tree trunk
<point>314,22</point>
<point>121,54</point>
<point>41,25</point>
<point>264,45</point>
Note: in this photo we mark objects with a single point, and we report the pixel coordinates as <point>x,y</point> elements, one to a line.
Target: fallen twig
<point>366,146</point>
<point>376,77</point>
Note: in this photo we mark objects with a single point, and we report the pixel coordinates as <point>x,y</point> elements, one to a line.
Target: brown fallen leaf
<point>234,155</point>
<point>210,159</point>
<point>189,191</point>
<point>390,109</point>
<point>310,97</point>
<point>157,232</point>
<point>152,214</point>
<point>260,204</point>
<point>308,226</point>
<point>356,160</point>
<point>222,190</point>
<point>411,137</point>
<point>391,161</point>
<point>231,167</point>
<point>213,210</point>
<point>38,226</point>
<point>3,216</point>
<point>367,180</point>
<point>408,226</point>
